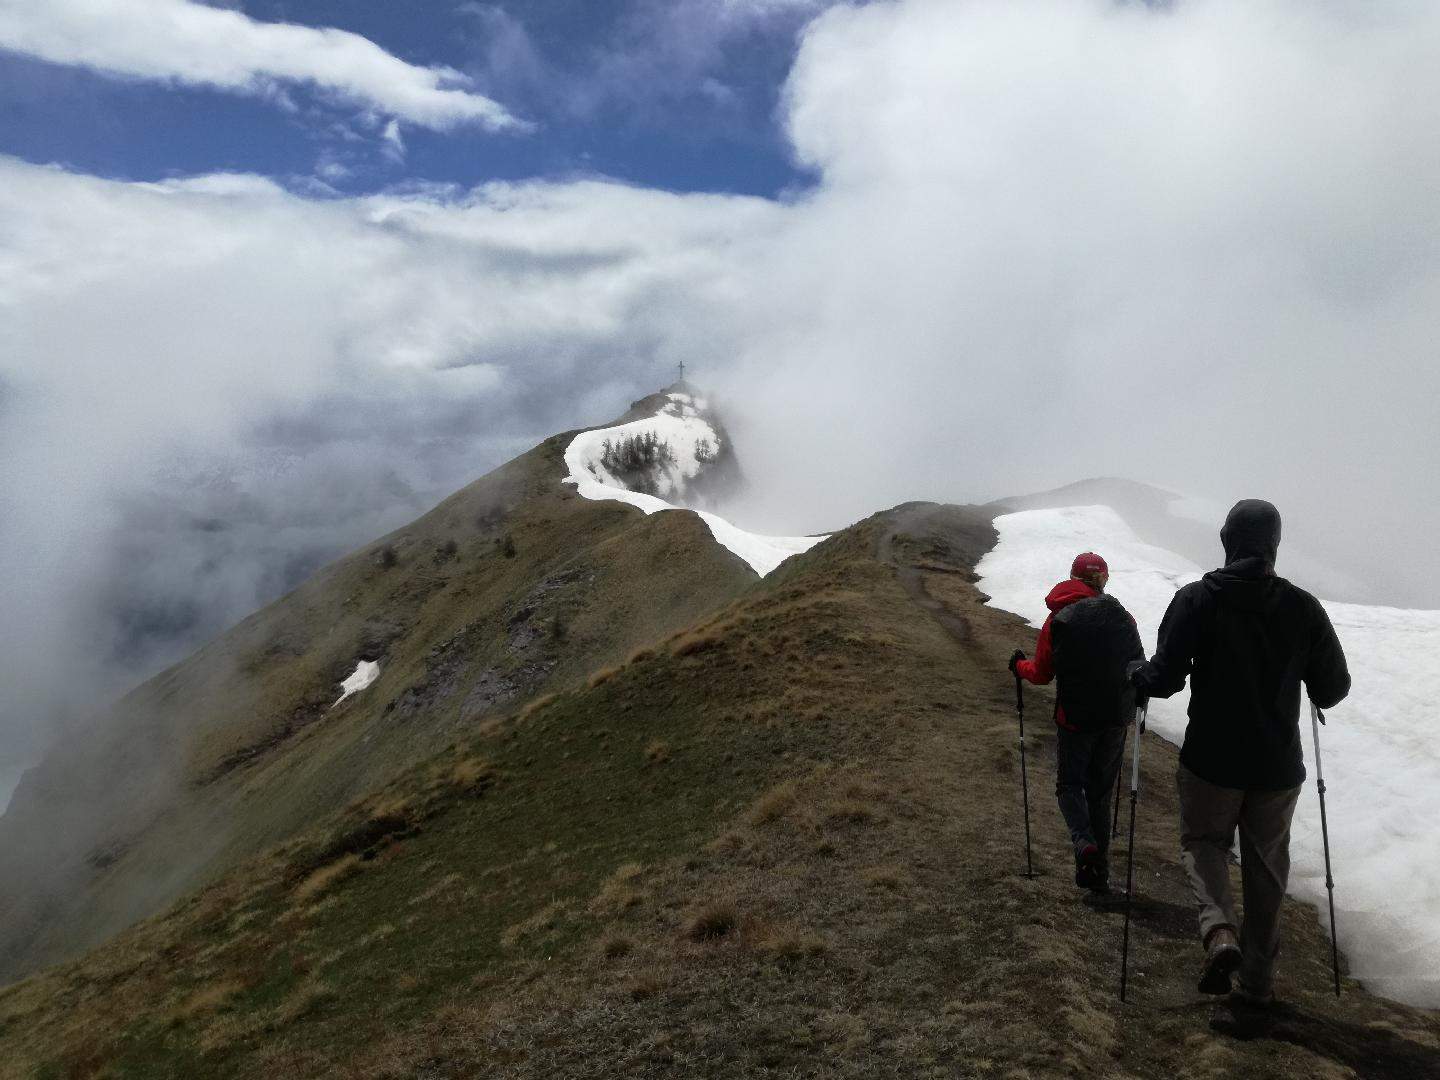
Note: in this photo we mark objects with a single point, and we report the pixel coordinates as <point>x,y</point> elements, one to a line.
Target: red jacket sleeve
<point>1039,670</point>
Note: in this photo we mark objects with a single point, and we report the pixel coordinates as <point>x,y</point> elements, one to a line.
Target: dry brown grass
<point>657,752</point>
<point>696,642</point>
<point>645,984</point>
<point>619,892</point>
<point>209,999</point>
<point>229,1029</point>
<point>614,946</point>
<point>640,655</point>
<point>389,804</point>
<point>713,921</point>
<point>306,998</point>
<point>727,843</point>
<point>885,877</point>
<point>789,943</point>
<point>537,925</point>
<point>530,708</point>
<point>775,803</point>
<point>601,677</point>
<point>445,884</point>
<point>328,876</point>
<point>471,774</point>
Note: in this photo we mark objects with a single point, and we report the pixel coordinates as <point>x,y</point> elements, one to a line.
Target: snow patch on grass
<point>680,425</point>
<point>1381,748</point>
<point>365,673</point>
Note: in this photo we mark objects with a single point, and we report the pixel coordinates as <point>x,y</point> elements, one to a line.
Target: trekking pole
<point>1115,802</point>
<point>1316,719</point>
<point>1024,780</point>
<point>1140,711</point>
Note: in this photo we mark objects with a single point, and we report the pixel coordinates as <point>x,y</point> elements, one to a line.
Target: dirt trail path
<point>1054,959</point>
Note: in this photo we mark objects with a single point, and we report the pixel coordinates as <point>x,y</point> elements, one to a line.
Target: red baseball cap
<point>1088,563</point>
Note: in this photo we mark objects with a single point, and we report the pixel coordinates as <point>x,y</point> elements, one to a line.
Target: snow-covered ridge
<point>1381,747</point>
<point>679,427</point>
<point>692,442</point>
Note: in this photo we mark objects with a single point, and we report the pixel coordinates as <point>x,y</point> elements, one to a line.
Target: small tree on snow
<point>636,459</point>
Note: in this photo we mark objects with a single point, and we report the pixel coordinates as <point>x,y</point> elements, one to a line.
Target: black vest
<point>1093,641</point>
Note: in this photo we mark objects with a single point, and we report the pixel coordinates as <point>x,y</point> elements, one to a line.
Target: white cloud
<point>331,170</point>
<point>1197,243</point>
<point>1051,239</point>
<point>200,45</point>
<point>392,144</point>
<point>141,324</point>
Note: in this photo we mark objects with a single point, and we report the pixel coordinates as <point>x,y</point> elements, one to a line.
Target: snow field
<point>681,426</point>
<point>1381,749</point>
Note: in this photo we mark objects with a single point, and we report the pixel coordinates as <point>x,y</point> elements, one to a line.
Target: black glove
<point>1015,658</point>
<point>1135,675</point>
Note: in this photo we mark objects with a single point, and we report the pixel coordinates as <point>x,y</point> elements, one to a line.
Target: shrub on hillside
<point>385,558</point>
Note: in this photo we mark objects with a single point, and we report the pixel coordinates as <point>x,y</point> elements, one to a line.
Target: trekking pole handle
<point>1316,719</point>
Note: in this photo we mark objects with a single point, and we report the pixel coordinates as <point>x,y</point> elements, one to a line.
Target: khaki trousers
<point>1209,816</point>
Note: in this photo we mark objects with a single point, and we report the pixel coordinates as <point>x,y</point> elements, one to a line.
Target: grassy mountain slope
<point>783,841</point>
<point>511,587</point>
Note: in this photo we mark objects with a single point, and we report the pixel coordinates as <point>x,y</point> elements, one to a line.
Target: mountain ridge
<point>508,566</point>
<point>716,822</point>
<point>782,840</point>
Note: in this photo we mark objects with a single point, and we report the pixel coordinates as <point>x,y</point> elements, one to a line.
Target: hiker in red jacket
<point>1086,642</point>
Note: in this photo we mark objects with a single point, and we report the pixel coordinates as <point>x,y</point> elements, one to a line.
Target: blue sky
<point>675,95</point>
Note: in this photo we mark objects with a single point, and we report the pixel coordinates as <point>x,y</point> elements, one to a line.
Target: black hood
<point>1251,531</point>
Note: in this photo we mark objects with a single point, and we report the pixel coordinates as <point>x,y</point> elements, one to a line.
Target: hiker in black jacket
<point>1247,640</point>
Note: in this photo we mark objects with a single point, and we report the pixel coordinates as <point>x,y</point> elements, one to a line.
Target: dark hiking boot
<point>1090,870</point>
<point>1222,960</point>
<point>1246,1016</point>
<point>1104,899</point>
<point>1252,999</point>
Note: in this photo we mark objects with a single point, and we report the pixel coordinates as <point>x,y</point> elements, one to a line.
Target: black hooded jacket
<point>1247,640</point>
